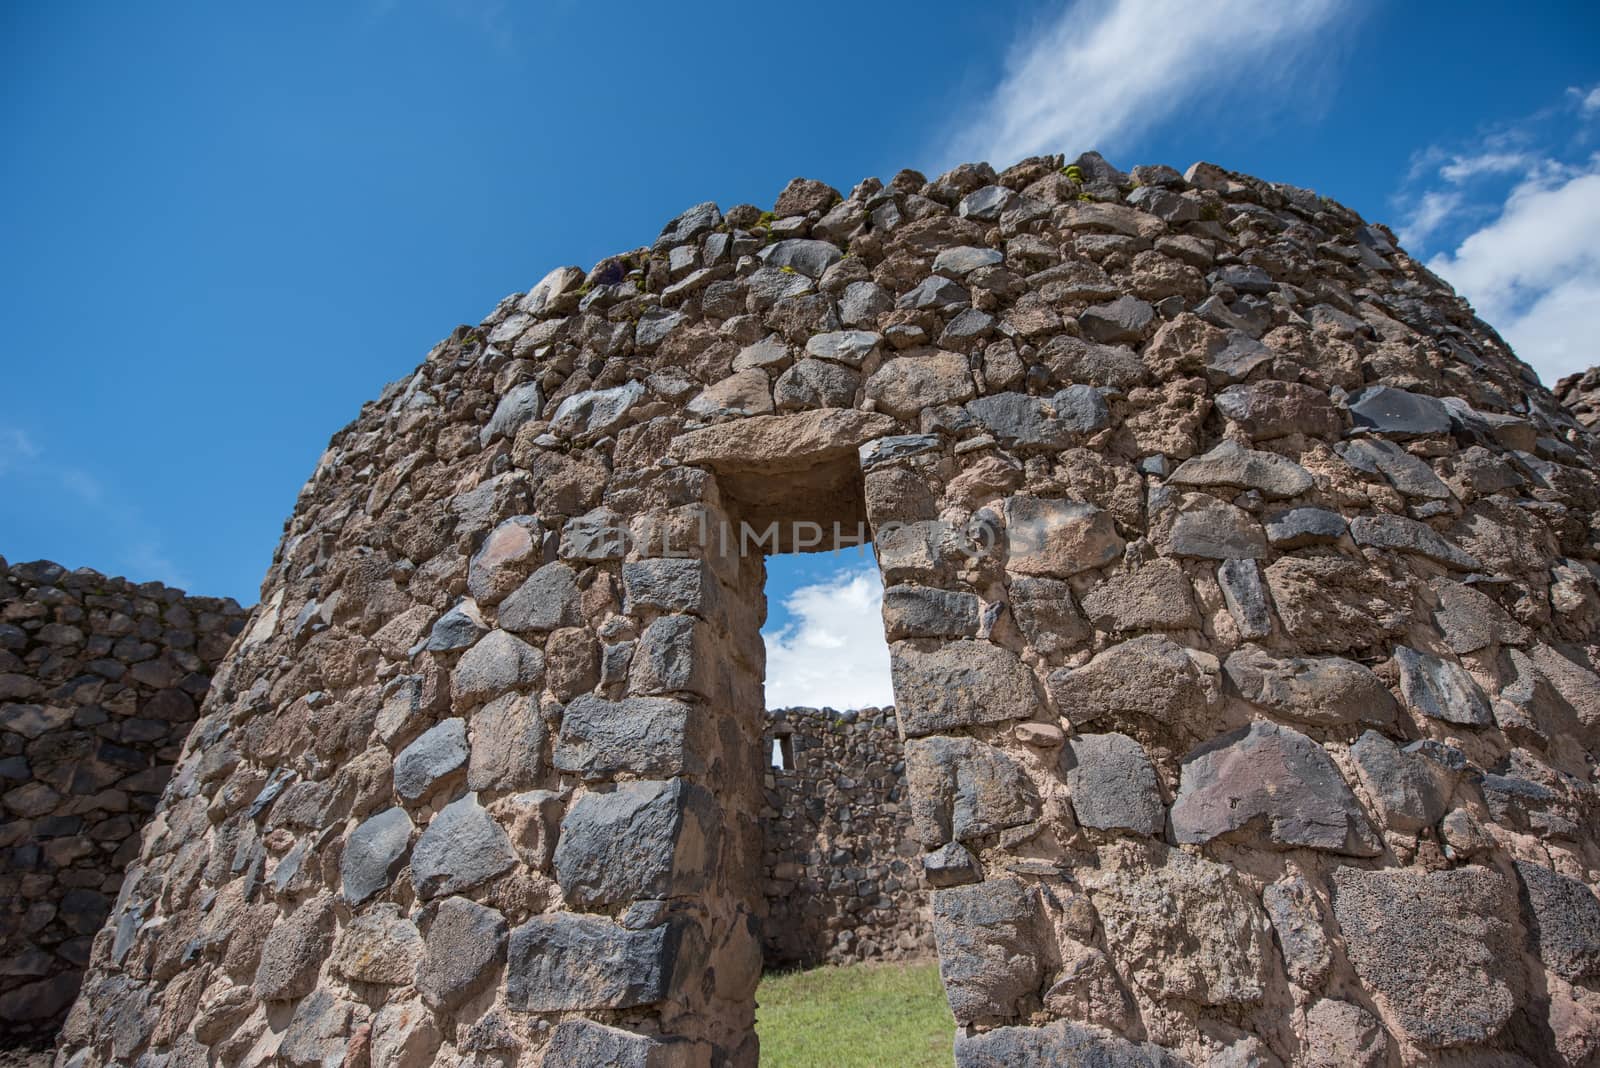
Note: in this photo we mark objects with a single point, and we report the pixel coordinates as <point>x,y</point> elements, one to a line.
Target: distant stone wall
<point>100,681</point>
<point>1581,394</point>
<point>842,877</point>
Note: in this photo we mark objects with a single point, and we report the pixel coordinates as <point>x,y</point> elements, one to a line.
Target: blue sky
<point>226,226</point>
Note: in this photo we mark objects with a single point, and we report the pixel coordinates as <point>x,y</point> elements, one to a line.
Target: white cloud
<point>834,654</point>
<point>1431,211</point>
<point>1588,101</point>
<point>1462,168</point>
<point>1104,70</point>
<point>1534,271</point>
<point>16,448</point>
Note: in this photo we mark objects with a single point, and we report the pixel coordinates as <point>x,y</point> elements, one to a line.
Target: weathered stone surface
<point>1274,784</point>
<point>676,654</point>
<point>1408,535</point>
<point>520,404</point>
<point>461,847</point>
<point>1199,525</point>
<point>1324,691</point>
<point>318,1034</point>
<point>645,840</point>
<point>1432,946</point>
<point>1230,464</point>
<point>508,741</point>
<point>1150,677</point>
<point>1058,538</point>
<point>1246,597</point>
<point>907,384</point>
<point>499,662</point>
<point>774,442</point>
<point>988,937</point>
<point>1404,785</point>
<point>546,601</point>
<point>643,735</point>
<point>379,945</point>
<point>1047,614</point>
<point>962,790</point>
<point>1273,409</point>
<point>1297,918</point>
<point>1061,1044</point>
<point>1125,319</point>
<point>1471,620</point>
<point>1157,596</point>
<point>507,555</point>
<point>810,258</point>
<point>438,754</point>
<point>463,941</point>
<point>1112,784</point>
<point>1408,474</point>
<point>1331,604</point>
<point>1441,689</point>
<point>925,612</point>
<point>1042,422</point>
<point>1399,413</point>
<point>373,854</point>
<point>815,384</point>
<point>583,1043</point>
<point>1564,920</point>
<point>1179,926</point>
<point>1305,526</point>
<point>1342,1035</point>
<point>849,347</point>
<point>564,962</point>
<point>294,952</point>
<point>403,1033</point>
<point>959,684</point>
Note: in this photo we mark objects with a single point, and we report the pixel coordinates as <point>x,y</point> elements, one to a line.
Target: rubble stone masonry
<point>1243,595</point>
<point>100,681</point>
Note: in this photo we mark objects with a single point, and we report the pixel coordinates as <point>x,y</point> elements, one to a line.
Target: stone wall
<point>1243,596</point>
<point>1581,394</point>
<point>100,681</point>
<point>843,876</point>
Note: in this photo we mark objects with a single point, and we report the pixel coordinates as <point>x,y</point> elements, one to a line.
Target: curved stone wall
<point>1241,588</point>
<point>100,681</point>
<point>843,873</point>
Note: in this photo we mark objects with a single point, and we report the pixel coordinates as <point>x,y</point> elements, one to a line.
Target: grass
<point>860,1016</point>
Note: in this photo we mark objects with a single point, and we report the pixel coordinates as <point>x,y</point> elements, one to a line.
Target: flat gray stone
<point>458,628</point>
<point>1325,691</point>
<point>1275,783</point>
<point>644,840</point>
<point>809,257</point>
<point>1199,525</point>
<point>1113,784</point>
<point>935,293</point>
<point>848,347</point>
<point>676,654</point>
<point>1399,413</point>
<point>669,585</point>
<point>1472,620</point>
<point>988,935</point>
<point>1058,538</point>
<point>1441,689</point>
<point>815,384</point>
<point>963,790</point>
<point>964,259</point>
<point>1412,476</point>
<point>1126,319</point>
<point>1246,596</point>
<point>374,854</point>
<point>462,944</point>
<point>1061,1044</point>
<point>461,847</point>
<point>521,404</point>
<point>294,951</point>
<point>1047,615</point>
<point>1231,464</point>
<point>959,684</point>
<point>1024,421</point>
<point>646,736</point>
<point>1299,527</point>
<point>566,962</point>
<point>547,600</point>
<point>596,412</point>
<point>438,754</point>
<point>585,1044</point>
<point>500,662</point>
<point>508,741</point>
<point>926,612</point>
<point>1403,784</point>
<point>1407,535</point>
<point>1155,596</point>
<point>1297,918</point>
<point>1146,678</point>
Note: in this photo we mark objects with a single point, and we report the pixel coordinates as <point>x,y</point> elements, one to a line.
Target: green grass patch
<point>860,1016</point>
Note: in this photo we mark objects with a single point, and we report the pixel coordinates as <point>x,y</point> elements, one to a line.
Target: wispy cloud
<point>16,449</point>
<point>834,653</point>
<point>1512,220</point>
<point>1103,71</point>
